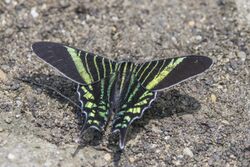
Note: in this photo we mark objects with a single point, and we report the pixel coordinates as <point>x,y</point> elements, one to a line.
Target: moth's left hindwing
<point>95,102</point>
<point>82,67</point>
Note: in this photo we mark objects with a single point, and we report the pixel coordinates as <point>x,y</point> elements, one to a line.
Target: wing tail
<point>139,99</point>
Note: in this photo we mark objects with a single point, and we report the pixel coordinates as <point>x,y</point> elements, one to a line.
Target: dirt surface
<point>201,122</point>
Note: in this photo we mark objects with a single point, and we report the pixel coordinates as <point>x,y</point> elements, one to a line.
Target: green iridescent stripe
<point>163,74</point>
<point>104,67</point>
<point>150,72</point>
<point>90,105</point>
<point>123,77</point>
<point>141,74</point>
<point>141,103</point>
<point>96,66</point>
<point>103,114</point>
<point>102,88</point>
<point>111,67</point>
<point>130,84</point>
<point>87,66</point>
<point>138,70</point>
<point>133,93</point>
<point>79,65</point>
<point>87,94</point>
<point>147,93</point>
<point>160,69</point>
<point>111,81</point>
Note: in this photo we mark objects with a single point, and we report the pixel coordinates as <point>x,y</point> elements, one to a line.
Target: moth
<point>124,90</point>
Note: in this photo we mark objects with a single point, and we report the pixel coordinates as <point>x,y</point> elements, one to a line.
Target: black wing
<point>95,102</point>
<point>161,74</point>
<point>80,66</point>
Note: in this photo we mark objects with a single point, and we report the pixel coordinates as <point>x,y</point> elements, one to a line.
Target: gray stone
<point>242,55</point>
<point>188,152</point>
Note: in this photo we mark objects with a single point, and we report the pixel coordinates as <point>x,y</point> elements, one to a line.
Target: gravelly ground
<point>202,122</point>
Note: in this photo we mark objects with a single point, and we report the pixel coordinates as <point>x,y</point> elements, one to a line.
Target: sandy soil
<point>202,122</point>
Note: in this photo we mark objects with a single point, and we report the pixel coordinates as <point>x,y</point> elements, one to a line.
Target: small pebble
<point>11,156</point>
<point>18,103</point>
<point>174,40</point>
<point>18,116</point>
<point>225,122</point>
<point>167,146</point>
<point>176,162</point>
<point>157,151</point>
<point>189,117</point>
<point>1,129</point>
<point>115,18</point>
<point>8,120</point>
<point>227,76</point>
<point>14,86</point>
<point>107,157</point>
<point>3,76</point>
<point>7,1</point>
<point>114,29</point>
<point>33,12</point>
<point>242,55</point>
<point>219,86</point>
<point>131,159</point>
<point>198,38</point>
<point>188,152</point>
<point>5,67</point>
<point>191,23</point>
<point>166,138</point>
<point>213,98</point>
<point>156,129</point>
<point>64,3</point>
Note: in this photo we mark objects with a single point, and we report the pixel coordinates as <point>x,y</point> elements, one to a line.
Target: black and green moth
<point>124,89</point>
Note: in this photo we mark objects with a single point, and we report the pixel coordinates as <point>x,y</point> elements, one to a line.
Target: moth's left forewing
<point>161,74</point>
<point>80,66</point>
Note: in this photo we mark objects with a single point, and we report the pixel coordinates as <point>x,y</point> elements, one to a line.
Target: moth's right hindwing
<point>80,66</point>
